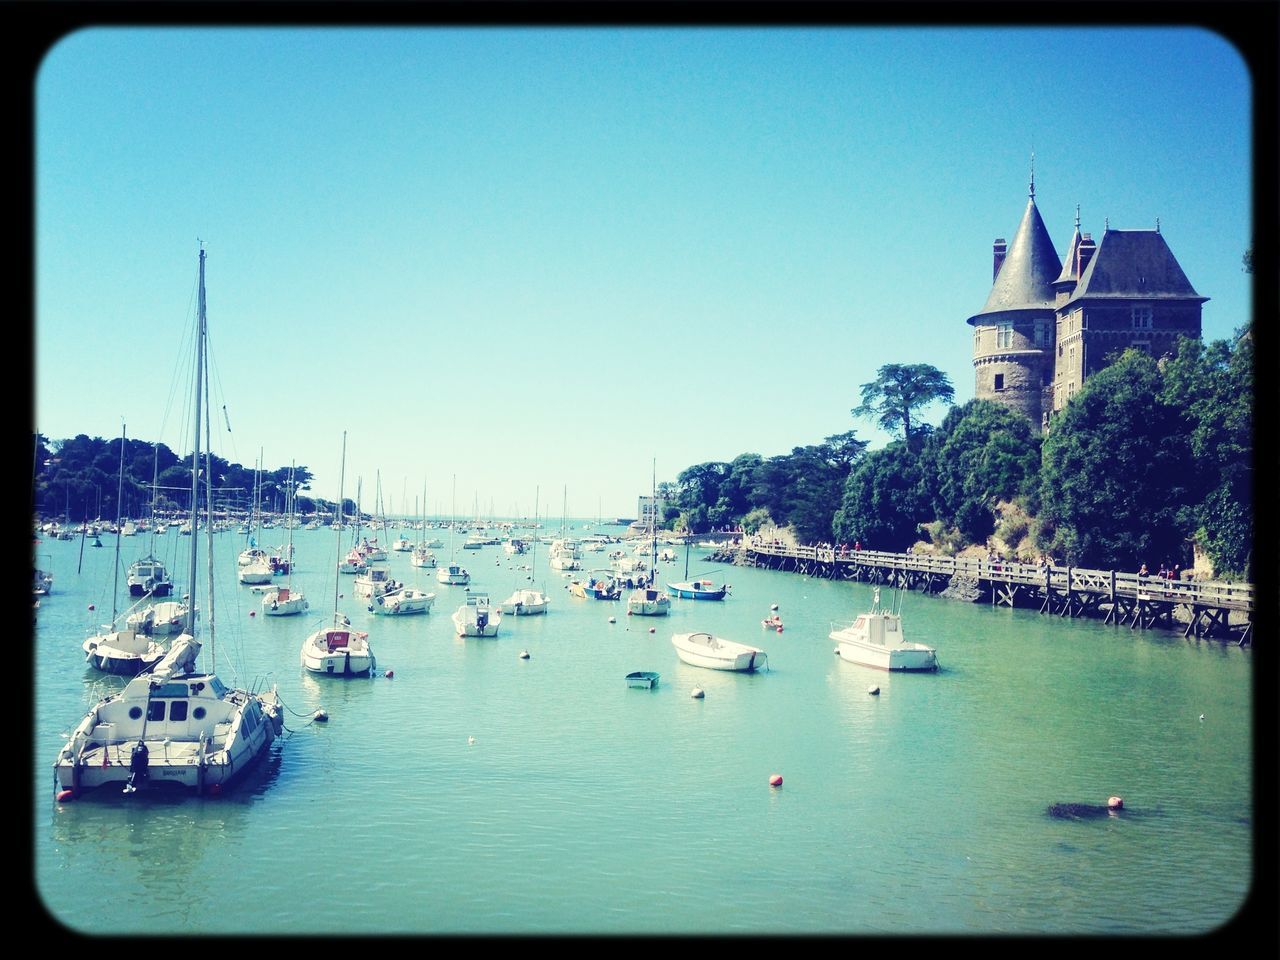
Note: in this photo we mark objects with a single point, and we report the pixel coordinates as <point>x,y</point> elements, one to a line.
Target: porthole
<point>198,713</point>
<point>135,713</point>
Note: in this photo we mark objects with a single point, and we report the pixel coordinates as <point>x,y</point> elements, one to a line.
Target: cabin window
<point>999,381</point>
<point>170,690</point>
<point>155,710</point>
<point>178,710</point>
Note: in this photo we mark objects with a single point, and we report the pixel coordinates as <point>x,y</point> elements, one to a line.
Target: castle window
<point>1142,318</point>
<point>1143,345</point>
<point>1004,335</point>
<point>999,381</point>
<point>1042,333</point>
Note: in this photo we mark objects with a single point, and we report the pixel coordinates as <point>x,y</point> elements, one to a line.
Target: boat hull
<point>712,653</point>
<point>899,659</point>
<point>285,608</point>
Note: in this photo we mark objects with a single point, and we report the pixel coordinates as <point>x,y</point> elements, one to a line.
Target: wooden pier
<point>1209,609</point>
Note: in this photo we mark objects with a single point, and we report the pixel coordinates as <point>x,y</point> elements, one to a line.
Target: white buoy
<point>774,607</point>
<point>524,654</point>
<point>697,693</point>
<point>613,619</point>
<point>1202,716</point>
<point>470,740</point>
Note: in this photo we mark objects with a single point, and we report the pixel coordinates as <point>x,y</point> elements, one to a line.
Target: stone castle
<point>1048,324</point>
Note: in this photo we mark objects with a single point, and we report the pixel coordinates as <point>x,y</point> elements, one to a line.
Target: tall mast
<point>195,445</point>
<point>337,576</point>
<point>115,587</point>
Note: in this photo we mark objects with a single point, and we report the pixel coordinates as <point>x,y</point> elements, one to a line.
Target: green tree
<point>899,390</point>
<point>1115,481</point>
<point>981,454</point>
<point>884,500</point>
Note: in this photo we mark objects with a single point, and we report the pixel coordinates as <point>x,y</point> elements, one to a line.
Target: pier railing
<point>1139,600</point>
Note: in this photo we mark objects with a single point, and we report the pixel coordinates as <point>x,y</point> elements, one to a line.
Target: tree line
<point>1149,458</point>
<point>80,479</point>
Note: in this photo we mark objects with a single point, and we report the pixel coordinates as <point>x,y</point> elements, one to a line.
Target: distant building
<point>1048,324</point>
<point>649,510</point>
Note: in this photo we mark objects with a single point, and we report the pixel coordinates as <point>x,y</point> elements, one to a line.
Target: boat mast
<point>195,445</point>
<point>208,524</point>
<point>115,584</point>
<point>653,523</point>
<point>337,576</point>
<point>292,503</point>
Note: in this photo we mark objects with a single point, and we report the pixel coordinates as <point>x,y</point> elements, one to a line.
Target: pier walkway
<point>1208,609</point>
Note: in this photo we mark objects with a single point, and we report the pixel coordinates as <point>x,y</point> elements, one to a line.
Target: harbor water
<point>467,790</point>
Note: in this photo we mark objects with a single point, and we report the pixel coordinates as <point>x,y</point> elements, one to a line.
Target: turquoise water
<point>477,792</point>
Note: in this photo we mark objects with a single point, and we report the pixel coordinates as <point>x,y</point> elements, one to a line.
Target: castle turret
<point>1013,334</point>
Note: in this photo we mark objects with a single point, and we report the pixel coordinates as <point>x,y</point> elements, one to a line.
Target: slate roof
<point>1025,280</point>
<point>1069,263</point>
<point>1133,264</point>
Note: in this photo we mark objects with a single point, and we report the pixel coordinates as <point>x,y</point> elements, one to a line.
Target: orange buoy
<point>66,796</point>
<point>775,780</point>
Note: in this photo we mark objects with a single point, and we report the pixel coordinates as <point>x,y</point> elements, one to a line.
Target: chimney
<point>1084,254</point>
<point>998,250</point>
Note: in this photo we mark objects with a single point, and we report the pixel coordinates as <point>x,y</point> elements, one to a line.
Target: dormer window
<point>1141,317</point>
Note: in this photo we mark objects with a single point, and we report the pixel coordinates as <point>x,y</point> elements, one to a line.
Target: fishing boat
<point>402,602</point>
<point>476,618</point>
<point>148,577</point>
<point>643,679</point>
<point>717,653</point>
<point>875,639</point>
<point>174,725</point>
<point>337,649</point>
<point>698,590</point>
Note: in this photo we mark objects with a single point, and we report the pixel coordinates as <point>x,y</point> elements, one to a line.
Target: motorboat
<point>43,583</point>
<point>453,574</point>
<point>148,577</point>
<point>565,554</point>
<point>162,619</point>
<point>648,602</point>
<point>402,545</point>
<point>476,618</point>
<point>875,639</point>
<point>402,602</point>
<point>599,586</point>
<point>698,590</point>
<point>525,602</point>
<point>284,602</point>
<point>339,650</point>
<point>643,679</point>
<point>374,581</point>
<point>717,653</point>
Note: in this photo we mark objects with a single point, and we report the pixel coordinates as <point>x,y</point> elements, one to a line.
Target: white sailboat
<point>527,601</point>
<point>112,650</point>
<point>453,574</point>
<point>175,725</point>
<point>647,600</point>
<point>337,649</point>
<point>287,601</point>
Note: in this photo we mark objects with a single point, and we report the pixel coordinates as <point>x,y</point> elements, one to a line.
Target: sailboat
<point>700,589</point>
<point>337,649</point>
<point>453,573</point>
<point>422,555</point>
<point>402,600</point>
<point>646,600</point>
<point>527,601</point>
<point>175,725</point>
<point>131,650</point>
<point>286,601</point>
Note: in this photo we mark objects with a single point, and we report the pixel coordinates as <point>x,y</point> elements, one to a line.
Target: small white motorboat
<point>338,650</point>
<point>524,603</point>
<point>476,618</point>
<point>402,602</point>
<point>716,653</point>
<point>454,574</point>
<point>648,602</point>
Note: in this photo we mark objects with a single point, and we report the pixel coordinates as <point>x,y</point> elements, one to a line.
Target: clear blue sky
<point>543,259</point>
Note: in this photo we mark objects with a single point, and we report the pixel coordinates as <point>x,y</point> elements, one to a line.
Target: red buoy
<point>390,674</point>
<point>66,796</point>
<point>775,780</point>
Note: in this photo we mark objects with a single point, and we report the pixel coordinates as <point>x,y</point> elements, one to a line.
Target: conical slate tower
<point>1013,334</point>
